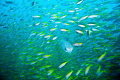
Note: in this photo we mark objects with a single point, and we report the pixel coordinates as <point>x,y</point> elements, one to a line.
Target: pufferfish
<point>67,47</point>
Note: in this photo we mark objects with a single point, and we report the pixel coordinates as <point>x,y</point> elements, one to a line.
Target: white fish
<point>63,16</point>
<point>78,72</point>
<point>82,18</point>
<point>71,21</point>
<point>50,72</point>
<point>67,46</point>
<point>93,16</point>
<point>81,25</point>
<point>63,64</point>
<point>87,70</point>
<point>69,74</point>
<point>36,16</point>
<point>78,44</point>
<point>64,30</point>
<point>102,56</point>
<point>91,24</point>
<point>98,71</point>
<point>54,38</point>
<point>66,24</point>
<point>71,11</point>
<point>80,2</point>
<point>78,31</point>
<point>57,22</point>
<point>53,29</point>
<point>95,29</point>
<point>37,24</point>
<point>47,36</point>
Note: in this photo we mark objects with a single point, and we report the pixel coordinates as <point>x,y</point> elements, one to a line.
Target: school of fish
<point>59,39</point>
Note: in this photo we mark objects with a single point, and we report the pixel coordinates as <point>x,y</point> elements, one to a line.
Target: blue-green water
<point>59,39</point>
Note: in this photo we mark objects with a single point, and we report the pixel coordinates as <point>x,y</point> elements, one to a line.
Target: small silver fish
<point>67,46</point>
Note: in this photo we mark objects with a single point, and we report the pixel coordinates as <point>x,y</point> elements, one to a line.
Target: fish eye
<point>66,49</point>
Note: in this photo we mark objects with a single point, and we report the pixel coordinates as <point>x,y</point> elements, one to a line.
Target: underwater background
<point>59,39</point>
